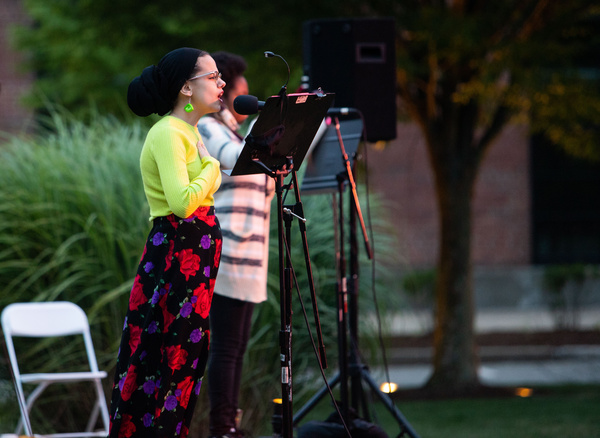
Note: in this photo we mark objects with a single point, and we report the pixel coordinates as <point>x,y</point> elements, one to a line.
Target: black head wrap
<point>157,88</point>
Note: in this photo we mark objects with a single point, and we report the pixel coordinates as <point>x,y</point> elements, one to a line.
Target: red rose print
<point>184,431</point>
<point>203,301</point>
<point>177,357</point>
<point>137,297</point>
<point>186,387</point>
<point>209,220</point>
<point>127,427</point>
<point>134,337</point>
<point>130,383</point>
<point>218,246</point>
<point>173,220</point>
<point>168,317</point>
<point>189,263</point>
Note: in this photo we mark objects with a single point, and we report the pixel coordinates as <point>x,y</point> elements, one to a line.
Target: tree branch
<point>499,120</point>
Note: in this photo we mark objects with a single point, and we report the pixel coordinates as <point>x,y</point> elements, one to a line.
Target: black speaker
<point>355,58</point>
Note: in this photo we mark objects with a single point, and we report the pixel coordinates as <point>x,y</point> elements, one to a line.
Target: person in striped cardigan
<point>243,205</point>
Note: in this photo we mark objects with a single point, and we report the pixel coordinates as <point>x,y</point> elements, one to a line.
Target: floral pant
<point>164,346</point>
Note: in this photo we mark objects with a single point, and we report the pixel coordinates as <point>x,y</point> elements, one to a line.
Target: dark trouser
<point>230,322</point>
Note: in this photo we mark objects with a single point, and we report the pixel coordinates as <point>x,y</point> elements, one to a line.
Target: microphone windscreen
<point>246,104</point>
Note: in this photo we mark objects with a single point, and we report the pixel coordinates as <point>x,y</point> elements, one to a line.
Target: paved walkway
<point>584,370</point>
<point>506,366</point>
<point>499,320</point>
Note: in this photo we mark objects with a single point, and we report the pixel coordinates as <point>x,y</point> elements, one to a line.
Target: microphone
<point>247,104</point>
<point>342,111</point>
<point>269,54</point>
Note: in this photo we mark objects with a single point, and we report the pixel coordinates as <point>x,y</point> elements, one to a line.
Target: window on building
<point>565,206</point>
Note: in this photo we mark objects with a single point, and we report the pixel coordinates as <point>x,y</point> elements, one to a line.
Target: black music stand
<point>324,164</point>
<point>277,145</point>
<point>284,129</point>
<point>328,170</point>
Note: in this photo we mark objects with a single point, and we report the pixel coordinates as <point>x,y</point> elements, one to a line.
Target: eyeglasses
<point>215,73</point>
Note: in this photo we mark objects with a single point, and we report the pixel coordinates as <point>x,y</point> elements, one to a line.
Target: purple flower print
<point>186,309</point>
<point>195,364</point>
<point>149,386</point>
<point>152,327</point>
<point>205,241</point>
<point>155,297</point>
<point>143,355</point>
<point>158,239</point>
<point>207,271</point>
<point>178,428</point>
<point>171,403</point>
<point>148,267</point>
<point>121,383</point>
<point>196,336</point>
<point>197,388</point>
<point>178,392</point>
<point>147,419</point>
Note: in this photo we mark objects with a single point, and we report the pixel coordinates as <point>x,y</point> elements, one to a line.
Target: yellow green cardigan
<point>176,180</point>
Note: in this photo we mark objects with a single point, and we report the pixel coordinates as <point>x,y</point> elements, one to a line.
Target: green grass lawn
<point>557,412</point>
<point>551,412</point>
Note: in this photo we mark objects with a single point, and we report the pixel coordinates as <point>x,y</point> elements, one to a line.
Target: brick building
<point>13,82</point>
<point>501,208</point>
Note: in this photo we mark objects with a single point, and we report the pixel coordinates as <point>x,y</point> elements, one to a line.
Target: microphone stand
<point>286,276</point>
<point>286,213</point>
<point>274,154</point>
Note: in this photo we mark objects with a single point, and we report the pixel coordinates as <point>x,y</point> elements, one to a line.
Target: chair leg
<point>19,427</point>
<point>102,406</point>
<point>93,417</point>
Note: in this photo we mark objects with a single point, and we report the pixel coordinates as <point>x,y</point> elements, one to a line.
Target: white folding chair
<point>52,319</point>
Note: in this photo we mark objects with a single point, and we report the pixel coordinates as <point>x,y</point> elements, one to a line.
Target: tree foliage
<point>84,50</point>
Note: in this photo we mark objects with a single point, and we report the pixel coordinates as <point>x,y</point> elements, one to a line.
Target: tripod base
<point>361,373</point>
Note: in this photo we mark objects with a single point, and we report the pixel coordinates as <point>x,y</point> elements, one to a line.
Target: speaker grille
<point>355,59</point>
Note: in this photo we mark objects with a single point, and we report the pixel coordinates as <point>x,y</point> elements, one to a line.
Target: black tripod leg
<point>285,333</point>
<point>301,413</point>
<point>359,371</point>
<point>405,427</point>
<point>299,211</point>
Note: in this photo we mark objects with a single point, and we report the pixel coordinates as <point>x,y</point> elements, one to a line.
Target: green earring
<point>189,107</point>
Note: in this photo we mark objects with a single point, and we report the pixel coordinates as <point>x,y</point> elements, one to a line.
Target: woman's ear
<point>186,89</point>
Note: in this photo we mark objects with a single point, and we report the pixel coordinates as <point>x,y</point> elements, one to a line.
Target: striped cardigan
<point>243,206</point>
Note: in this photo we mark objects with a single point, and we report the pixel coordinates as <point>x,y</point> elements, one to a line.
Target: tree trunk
<point>455,360</point>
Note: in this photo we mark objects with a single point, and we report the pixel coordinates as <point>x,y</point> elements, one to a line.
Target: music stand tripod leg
<point>286,215</point>
<point>285,330</point>
<point>402,421</point>
<point>341,377</point>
